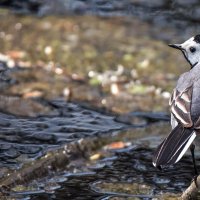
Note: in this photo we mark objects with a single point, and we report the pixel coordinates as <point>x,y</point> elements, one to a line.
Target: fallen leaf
<point>33,94</point>
<point>115,145</point>
<point>16,54</point>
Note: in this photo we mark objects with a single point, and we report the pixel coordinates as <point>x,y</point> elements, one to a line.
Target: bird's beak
<point>176,46</point>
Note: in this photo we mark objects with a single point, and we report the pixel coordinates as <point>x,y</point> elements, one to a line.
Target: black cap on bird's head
<point>190,49</point>
<point>197,39</point>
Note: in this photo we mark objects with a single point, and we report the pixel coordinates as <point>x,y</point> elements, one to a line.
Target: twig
<point>191,192</point>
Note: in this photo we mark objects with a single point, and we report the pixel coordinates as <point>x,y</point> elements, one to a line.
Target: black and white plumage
<point>185,108</point>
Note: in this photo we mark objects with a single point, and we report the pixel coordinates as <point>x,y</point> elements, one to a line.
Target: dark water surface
<point>74,155</point>
<point>34,136</point>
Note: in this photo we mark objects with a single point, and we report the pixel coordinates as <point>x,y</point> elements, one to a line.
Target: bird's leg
<point>192,147</point>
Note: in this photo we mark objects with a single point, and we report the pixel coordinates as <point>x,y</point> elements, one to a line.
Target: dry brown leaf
<point>116,145</point>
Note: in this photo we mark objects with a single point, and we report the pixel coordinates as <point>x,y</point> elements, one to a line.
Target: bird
<point>185,110</point>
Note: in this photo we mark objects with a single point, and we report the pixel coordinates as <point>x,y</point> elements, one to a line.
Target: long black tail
<point>174,146</point>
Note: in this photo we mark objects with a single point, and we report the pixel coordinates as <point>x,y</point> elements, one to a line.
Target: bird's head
<point>190,49</point>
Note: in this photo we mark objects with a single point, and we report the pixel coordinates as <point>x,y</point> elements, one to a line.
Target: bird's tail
<point>172,149</point>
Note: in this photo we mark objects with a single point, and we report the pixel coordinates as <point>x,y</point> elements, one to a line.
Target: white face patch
<point>191,50</point>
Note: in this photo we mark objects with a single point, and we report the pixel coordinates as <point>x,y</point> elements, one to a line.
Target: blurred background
<point>111,54</point>
<point>70,69</point>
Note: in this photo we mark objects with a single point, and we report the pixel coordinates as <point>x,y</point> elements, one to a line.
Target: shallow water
<point>112,161</point>
<point>23,139</point>
<point>120,173</point>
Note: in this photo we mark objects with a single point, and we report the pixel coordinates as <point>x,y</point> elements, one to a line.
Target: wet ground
<point>84,100</point>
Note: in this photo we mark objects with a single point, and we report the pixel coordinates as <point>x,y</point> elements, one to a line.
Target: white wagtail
<point>185,109</point>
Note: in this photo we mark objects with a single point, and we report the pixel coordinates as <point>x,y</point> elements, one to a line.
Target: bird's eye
<point>192,49</point>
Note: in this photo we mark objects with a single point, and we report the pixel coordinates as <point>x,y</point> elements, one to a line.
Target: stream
<point>84,91</point>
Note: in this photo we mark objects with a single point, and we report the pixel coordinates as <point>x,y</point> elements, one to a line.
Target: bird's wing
<point>180,103</point>
<point>181,137</point>
<point>174,146</point>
